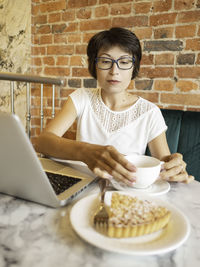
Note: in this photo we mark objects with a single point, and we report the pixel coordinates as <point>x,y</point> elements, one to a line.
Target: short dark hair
<point>116,36</point>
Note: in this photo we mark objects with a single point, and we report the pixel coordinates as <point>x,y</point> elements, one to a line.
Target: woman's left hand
<point>174,169</point>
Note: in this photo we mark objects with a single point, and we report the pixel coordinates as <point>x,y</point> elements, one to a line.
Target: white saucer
<point>166,240</point>
<point>160,187</point>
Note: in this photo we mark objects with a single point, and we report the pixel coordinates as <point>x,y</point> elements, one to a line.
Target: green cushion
<point>192,158</point>
<point>189,142</point>
<point>183,136</point>
<point>173,120</point>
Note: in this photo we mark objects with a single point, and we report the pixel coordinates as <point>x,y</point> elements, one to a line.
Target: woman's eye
<point>105,61</point>
<point>125,61</point>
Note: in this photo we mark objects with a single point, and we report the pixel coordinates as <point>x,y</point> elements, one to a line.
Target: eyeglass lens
<point>107,63</point>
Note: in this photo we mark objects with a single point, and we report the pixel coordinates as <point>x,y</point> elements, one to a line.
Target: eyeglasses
<point>123,63</point>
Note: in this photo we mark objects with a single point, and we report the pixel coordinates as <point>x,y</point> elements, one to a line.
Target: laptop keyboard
<point>61,182</point>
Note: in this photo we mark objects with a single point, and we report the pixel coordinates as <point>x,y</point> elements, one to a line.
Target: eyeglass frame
<point>115,61</point>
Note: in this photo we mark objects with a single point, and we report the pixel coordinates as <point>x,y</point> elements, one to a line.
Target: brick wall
<point>169,31</point>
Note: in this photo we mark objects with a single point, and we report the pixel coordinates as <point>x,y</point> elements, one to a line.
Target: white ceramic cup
<point>148,170</point>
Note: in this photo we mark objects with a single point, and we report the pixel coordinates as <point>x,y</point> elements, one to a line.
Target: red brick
<point>158,72</point>
<point>84,13</point>
<point>188,17</point>
<point>147,59</point>
<point>188,72</point>
<point>181,99</point>
<point>198,59</point>
<point>80,72</point>
<point>183,5</point>
<point>33,29</point>
<point>53,6</point>
<point>143,32</point>
<point>112,1</point>
<point>164,59</point>
<point>46,39</point>
<point>163,85</point>
<point>55,17</point>
<point>57,71</point>
<point>72,27</point>
<point>45,29</point>
<point>100,24</point>
<point>193,44</point>
<point>76,61</point>
<point>34,10</point>
<point>62,61</point>
<point>60,38</point>
<point>68,15</point>
<point>141,8</point>
<point>36,71</point>
<point>153,97</point>
<point>66,93</point>
<point>60,50</point>
<point>74,38</point>
<point>161,6</point>
<point>120,9</point>
<point>37,61</point>
<point>81,49</point>
<point>35,39</point>
<point>59,28</point>
<point>37,50</point>
<point>80,3</point>
<point>163,19</point>
<point>186,86</point>
<point>87,36</point>
<point>166,32</point>
<point>185,31</point>
<point>129,22</point>
<point>56,103</point>
<point>48,60</point>
<point>39,19</point>
<point>143,84</point>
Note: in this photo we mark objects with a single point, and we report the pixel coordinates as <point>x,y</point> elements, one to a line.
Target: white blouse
<point>129,131</point>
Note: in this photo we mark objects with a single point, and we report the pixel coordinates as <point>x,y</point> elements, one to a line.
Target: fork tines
<point>101,216</point>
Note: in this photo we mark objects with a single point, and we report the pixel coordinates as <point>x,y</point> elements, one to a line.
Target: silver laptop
<point>23,174</point>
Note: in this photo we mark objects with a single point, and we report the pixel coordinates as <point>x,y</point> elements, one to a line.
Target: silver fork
<point>101,216</point>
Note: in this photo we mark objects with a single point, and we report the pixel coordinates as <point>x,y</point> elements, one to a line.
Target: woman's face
<point>114,80</point>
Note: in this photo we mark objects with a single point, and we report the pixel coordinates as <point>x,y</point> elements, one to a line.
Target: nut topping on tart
<point>130,216</point>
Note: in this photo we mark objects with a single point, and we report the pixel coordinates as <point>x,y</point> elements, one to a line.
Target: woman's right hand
<point>106,162</point>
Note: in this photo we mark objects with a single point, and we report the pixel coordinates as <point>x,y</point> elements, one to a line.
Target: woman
<point>111,121</point>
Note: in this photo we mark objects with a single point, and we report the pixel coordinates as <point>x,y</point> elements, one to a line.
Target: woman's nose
<point>114,69</point>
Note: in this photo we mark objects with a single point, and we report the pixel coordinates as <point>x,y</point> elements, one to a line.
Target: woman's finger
<point>189,179</point>
<point>119,159</point>
<point>181,177</point>
<point>167,173</point>
<point>174,160</point>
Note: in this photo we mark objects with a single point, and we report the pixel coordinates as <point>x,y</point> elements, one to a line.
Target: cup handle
<point>161,163</point>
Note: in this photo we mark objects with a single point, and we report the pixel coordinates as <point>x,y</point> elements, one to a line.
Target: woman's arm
<point>174,168</point>
<point>104,161</point>
<point>51,143</point>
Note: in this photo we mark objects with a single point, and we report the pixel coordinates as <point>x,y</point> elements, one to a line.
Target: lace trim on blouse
<point>112,121</point>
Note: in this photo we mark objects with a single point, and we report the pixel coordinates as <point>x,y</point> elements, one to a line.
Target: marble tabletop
<point>34,235</point>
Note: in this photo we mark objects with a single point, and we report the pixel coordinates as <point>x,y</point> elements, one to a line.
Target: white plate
<point>160,187</point>
<point>173,236</point>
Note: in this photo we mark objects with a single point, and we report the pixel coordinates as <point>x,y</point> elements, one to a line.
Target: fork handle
<point>103,183</point>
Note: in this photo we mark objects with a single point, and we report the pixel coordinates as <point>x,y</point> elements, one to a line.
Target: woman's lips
<point>113,81</point>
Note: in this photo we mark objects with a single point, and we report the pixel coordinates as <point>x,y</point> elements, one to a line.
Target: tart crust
<point>130,217</point>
